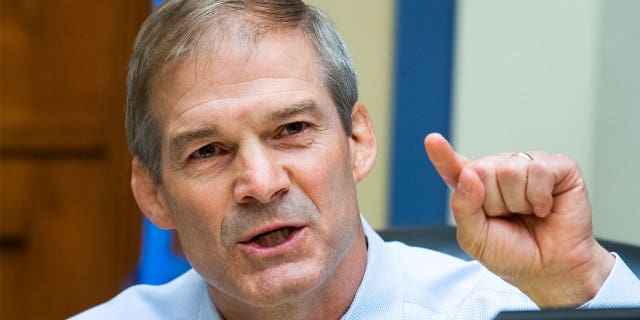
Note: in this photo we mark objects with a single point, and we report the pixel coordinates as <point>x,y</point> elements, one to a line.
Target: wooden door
<point>69,229</point>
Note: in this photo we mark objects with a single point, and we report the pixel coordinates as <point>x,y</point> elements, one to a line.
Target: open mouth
<point>273,238</point>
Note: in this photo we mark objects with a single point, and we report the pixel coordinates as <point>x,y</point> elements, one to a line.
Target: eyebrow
<point>177,143</point>
<point>304,106</point>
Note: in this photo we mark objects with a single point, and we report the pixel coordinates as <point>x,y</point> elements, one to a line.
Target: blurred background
<point>491,75</point>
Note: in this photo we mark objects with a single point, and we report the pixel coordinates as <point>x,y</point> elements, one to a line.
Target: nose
<point>261,176</point>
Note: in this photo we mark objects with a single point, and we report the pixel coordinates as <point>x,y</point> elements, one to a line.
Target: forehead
<point>232,69</point>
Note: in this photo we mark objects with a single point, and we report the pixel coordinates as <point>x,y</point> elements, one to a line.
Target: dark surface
<point>568,314</point>
<point>630,254</point>
<point>443,238</point>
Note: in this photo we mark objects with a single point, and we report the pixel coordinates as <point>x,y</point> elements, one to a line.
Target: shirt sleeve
<point>620,290</point>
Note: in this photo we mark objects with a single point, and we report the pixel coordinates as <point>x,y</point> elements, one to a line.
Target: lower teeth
<point>273,238</point>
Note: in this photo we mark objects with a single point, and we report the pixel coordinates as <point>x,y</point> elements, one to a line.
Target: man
<point>248,139</point>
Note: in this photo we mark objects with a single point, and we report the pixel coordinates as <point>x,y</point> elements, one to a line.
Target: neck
<point>331,300</point>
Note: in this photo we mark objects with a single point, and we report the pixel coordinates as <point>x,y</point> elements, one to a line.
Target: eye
<point>205,152</point>
<point>293,128</point>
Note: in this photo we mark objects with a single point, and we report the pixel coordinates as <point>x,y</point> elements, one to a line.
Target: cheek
<point>327,179</point>
<point>197,213</point>
<point>194,205</point>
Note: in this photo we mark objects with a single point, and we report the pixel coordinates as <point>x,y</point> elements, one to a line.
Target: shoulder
<point>180,298</point>
<point>421,267</point>
<point>441,284</point>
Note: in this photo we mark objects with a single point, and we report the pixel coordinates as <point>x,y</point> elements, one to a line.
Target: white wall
<point>561,76</point>
<point>616,178</point>
<point>537,75</point>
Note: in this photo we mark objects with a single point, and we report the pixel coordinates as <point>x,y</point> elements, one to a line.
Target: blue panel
<point>424,54</point>
<point>158,264</point>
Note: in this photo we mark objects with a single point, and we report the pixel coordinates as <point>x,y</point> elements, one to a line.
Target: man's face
<point>258,174</point>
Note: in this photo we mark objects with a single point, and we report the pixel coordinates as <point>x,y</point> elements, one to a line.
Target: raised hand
<point>528,220</point>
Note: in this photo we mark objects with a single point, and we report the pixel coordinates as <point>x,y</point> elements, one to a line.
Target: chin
<point>285,285</point>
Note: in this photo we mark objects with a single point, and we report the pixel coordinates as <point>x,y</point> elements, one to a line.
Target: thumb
<point>446,161</point>
<point>466,205</point>
<point>467,200</point>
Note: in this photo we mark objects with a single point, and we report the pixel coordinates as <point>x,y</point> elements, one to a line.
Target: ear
<point>364,147</point>
<point>149,196</point>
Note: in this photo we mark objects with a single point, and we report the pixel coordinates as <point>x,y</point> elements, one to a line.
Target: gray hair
<point>178,29</point>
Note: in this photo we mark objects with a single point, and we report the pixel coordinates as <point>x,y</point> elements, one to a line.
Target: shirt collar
<point>379,295</point>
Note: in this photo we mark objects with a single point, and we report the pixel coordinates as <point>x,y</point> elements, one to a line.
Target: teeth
<point>273,238</point>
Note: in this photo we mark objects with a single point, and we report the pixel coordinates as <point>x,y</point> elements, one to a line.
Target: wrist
<point>574,287</point>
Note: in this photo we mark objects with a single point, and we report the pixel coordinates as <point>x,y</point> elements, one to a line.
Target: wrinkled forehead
<point>215,57</point>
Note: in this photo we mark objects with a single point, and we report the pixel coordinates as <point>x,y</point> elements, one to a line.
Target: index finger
<point>446,161</point>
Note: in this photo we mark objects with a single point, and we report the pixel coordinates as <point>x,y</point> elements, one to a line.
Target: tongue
<point>272,238</point>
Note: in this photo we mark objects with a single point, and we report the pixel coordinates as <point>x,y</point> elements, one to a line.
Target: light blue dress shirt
<point>400,282</point>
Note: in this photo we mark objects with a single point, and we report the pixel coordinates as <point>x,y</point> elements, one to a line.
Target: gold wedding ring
<point>523,155</point>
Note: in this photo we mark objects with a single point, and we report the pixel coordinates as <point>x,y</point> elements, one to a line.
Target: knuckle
<point>537,197</point>
<point>509,171</point>
<point>519,207</point>
<point>483,169</point>
<point>566,159</point>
